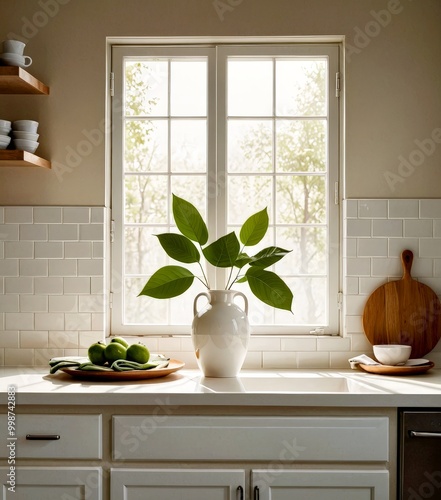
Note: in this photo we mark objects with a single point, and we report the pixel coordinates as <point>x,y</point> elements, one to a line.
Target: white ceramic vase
<point>220,333</point>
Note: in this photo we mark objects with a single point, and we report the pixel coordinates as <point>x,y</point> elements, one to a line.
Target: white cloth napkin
<point>363,359</point>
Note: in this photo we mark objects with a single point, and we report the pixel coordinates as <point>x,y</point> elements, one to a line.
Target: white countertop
<point>291,388</point>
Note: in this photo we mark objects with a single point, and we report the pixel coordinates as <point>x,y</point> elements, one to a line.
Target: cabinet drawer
<point>55,436</point>
<point>250,438</point>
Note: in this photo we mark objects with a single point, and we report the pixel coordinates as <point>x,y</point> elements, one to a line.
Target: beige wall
<point>393,83</point>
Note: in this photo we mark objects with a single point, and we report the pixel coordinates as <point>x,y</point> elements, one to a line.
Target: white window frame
<point>118,49</point>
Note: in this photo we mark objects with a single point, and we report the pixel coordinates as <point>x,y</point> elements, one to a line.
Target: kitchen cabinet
<point>37,439</point>
<point>15,80</point>
<point>283,444</point>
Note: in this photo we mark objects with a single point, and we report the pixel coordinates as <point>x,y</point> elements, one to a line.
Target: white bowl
<point>25,126</point>
<point>5,123</point>
<point>5,130</point>
<point>4,141</point>
<point>25,145</point>
<point>25,135</point>
<point>392,354</point>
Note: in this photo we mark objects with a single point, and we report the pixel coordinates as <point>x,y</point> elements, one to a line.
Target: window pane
<point>247,195</point>
<point>142,310</point>
<point>250,87</point>
<point>250,145</point>
<point>145,146</point>
<point>143,253</point>
<point>309,250</point>
<point>145,199</point>
<point>146,88</point>
<point>301,146</point>
<point>188,88</point>
<point>193,189</point>
<point>188,145</point>
<point>301,199</point>
<point>300,87</point>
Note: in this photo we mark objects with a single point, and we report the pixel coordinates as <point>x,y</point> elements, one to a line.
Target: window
<point>232,129</point>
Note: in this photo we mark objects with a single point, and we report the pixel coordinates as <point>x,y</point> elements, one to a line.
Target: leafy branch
<point>226,251</point>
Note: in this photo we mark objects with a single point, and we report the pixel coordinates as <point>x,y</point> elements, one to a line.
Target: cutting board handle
<point>407,259</point>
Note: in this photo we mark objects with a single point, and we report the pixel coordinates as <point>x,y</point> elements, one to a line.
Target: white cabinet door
<point>51,483</point>
<point>276,484</point>
<point>171,484</point>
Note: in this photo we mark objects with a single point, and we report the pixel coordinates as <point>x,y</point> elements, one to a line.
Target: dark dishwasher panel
<point>420,455</point>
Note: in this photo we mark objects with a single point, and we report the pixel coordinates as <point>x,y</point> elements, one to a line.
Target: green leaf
<point>242,260</point>
<point>268,256</point>
<point>244,279</point>
<point>179,247</point>
<point>269,288</point>
<point>189,220</point>
<point>168,282</point>
<point>254,228</point>
<point>224,251</point>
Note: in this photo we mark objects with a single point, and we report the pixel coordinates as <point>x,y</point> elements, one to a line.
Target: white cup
<point>16,60</point>
<point>13,47</point>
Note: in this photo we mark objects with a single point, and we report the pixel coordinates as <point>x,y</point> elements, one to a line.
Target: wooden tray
<point>397,370</point>
<point>404,312</point>
<point>173,366</point>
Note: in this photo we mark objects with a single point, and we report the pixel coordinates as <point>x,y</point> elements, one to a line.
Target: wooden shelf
<point>15,80</point>
<point>17,158</point>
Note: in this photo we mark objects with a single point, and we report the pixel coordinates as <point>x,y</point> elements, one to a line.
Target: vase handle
<point>205,294</point>
<point>244,299</point>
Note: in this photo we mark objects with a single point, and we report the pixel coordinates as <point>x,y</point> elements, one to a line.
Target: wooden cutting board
<point>404,312</point>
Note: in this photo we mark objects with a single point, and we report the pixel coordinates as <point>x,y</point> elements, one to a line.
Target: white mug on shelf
<point>13,47</point>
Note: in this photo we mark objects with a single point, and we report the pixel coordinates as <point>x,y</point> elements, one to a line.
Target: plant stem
<point>205,277</point>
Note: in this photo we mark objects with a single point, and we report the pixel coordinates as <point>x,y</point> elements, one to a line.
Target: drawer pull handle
<point>256,493</point>
<point>419,434</point>
<point>239,490</point>
<point>42,437</point>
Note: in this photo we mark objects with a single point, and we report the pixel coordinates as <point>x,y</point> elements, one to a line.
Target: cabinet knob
<point>42,437</point>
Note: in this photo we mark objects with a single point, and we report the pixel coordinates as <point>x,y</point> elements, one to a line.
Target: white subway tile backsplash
<point>10,339</point>
<point>63,303</point>
<point>47,215</point>
<point>355,304</point>
<point>63,339</point>
<point>372,247</point>
<point>397,245</point>
<point>63,232</point>
<point>9,303</point>
<point>76,215</point>
<point>90,267</point>
<point>33,232</point>
<point>49,321</point>
<point>18,249</point>
<point>313,360</point>
<point>97,215</point>
<point>78,250</point>
<point>358,267</point>
<point>48,285</point>
<point>14,215</point>
<point>48,249</point>
<point>299,344</point>
<point>358,228</point>
<point>418,228</point>
<point>373,209</point>
<point>430,247</point>
<point>19,357</point>
<point>76,285</point>
<point>34,267</point>
<point>430,209</point>
<point>33,303</point>
<point>78,321</point>
<point>350,209</point>
<point>9,232</point>
<point>387,228</point>
<point>93,232</point>
<point>34,339</point>
<point>403,209</point>
<point>91,303</point>
<point>387,267</point>
<point>98,250</point>
<point>368,285</point>
<point>437,228</point>
<point>19,321</point>
<point>19,284</point>
<point>9,267</point>
<point>62,267</point>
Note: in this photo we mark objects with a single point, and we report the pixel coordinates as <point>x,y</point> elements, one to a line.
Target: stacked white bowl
<point>24,134</point>
<point>5,128</point>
